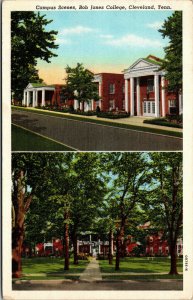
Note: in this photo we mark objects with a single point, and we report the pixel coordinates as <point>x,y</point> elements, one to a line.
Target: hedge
<point>163,122</point>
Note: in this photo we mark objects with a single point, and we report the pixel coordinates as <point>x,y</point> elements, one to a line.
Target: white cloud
<point>106,36</point>
<point>62,41</point>
<point>133,41</point>
<point>155,25</point>
<point>77,30</point>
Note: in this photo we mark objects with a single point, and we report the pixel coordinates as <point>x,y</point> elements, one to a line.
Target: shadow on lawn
<point>51,267</point>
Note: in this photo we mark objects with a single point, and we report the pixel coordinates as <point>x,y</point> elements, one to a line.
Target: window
<point>172,103</point>
<point>150,85</point>
<point>172,107</point>
<point>111,88</point>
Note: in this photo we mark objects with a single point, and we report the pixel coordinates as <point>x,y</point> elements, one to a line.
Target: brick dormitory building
<point>141,90</point>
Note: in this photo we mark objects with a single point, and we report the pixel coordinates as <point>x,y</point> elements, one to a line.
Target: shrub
<point>83,113</point>
<point>98,109</point>
<point>163,122</point>
<point>111,115</point>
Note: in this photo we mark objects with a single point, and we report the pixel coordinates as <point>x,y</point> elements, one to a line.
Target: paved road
<point>85,136</point>
<point>127,285</point>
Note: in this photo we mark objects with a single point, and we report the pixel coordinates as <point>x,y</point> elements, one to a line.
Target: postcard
<point>97,149</point>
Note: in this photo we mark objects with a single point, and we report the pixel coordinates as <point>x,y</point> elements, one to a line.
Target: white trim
<point>149,69</point>
<point>97,78</point>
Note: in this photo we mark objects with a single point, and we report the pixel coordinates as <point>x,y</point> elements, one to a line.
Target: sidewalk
<point>92,272</point>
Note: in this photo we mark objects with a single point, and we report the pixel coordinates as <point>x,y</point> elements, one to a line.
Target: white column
<point>92,105</point>
<point>24,98</point>
<point>132,96</point>
<point>156,85</point>
<point>126,96</point>
<point>34,98</point>
<point>180,104</point>
<point>81,105</point>
<point>99,246</point>
<point>138,97</point>
<point>28,96</point>
<point>76,106</point>
<point>43,97</point>
<point>86,106</point>
<point>163,96</point>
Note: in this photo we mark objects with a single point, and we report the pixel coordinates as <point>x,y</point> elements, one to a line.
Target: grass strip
<point>107,123</point>
<point>24,140</point>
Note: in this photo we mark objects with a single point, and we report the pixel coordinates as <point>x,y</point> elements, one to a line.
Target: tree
<point>80,84</point>
<point>29,41</point>
<point>32,175</point>
<point>166,205</point>
<point>128,180</point>
<point>88,192</point>
<point>172,63</point>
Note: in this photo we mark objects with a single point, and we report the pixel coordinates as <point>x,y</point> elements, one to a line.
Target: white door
<point>149,108</point>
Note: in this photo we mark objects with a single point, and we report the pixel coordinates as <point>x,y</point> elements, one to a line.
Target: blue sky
<point>104,41</point>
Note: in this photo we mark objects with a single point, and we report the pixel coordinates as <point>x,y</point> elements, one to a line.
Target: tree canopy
<point>172,63</point>
<point>29,41</point>
<point>107,194</point>
<point>80,84</point>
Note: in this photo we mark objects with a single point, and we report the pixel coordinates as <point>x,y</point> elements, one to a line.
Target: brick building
<point>141,90</point>
<point>146,90</point>
<point>111,91</point>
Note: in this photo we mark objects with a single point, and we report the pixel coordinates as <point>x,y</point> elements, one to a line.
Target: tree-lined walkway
<point>92,272</point>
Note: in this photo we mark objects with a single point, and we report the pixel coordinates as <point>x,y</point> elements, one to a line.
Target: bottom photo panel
<point>97,221</point>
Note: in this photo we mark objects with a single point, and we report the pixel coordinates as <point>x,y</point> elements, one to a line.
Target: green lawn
<point>140,265</point>
<point>24,140</point>
<point>87,119</point>
<point>51,268</point>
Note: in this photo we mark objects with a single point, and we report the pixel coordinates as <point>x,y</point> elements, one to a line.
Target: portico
<point>36,94</point>
<point>144,88</point>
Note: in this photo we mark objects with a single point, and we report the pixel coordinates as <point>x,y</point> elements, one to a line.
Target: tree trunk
<point>119,238</point>
<point>18,226</point>
<point>75,246</point>
<point>110,247</point>
<point>118,252</point>
<point>66,242</point>
<point>173,261</point>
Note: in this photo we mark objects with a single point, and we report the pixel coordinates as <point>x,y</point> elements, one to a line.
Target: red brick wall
<point>118,96</point>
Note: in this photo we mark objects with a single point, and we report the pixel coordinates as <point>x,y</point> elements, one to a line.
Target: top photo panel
<point>90,80</point>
